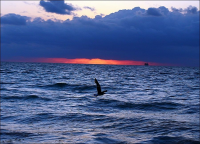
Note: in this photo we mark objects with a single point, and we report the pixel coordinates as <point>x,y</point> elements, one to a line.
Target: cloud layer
<point>153,35</point>
<point>14,19</point>
<point>58,7</point>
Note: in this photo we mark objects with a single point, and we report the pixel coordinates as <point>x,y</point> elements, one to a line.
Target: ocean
<point>55,103</point>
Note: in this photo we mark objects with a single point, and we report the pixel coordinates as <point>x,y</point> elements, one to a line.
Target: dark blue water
<point>55,103</point>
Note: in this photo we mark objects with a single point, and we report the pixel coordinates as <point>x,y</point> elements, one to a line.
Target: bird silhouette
<point>99,92</point>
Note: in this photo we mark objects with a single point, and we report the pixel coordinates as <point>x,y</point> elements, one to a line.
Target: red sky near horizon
<point>86,61</point>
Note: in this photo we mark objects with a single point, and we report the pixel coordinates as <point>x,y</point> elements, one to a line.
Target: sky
<point>101,32</point>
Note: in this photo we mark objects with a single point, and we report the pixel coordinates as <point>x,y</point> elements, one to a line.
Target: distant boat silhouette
<point>99,89</point>
<point>146,64</point>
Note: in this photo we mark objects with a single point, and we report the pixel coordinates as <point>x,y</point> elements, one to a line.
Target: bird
<point>99,88</point>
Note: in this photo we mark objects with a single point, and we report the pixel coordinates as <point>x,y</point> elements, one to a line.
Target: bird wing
<point>98,86</point>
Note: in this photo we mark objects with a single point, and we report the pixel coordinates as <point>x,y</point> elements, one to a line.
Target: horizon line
<point>86,61</point>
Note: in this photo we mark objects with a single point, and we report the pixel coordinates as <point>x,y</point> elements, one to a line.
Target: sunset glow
<point>95,32</point>
<point>87,61</point>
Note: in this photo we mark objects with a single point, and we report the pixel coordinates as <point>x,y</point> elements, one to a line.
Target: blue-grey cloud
<point>176,10</point>
<point>188,10</point>
<point>161,11</point>
<point>14,19</point>
<point>58,7</point>
<point>172,37</point>
<point>90,8</point>
<point>153,12</point>
<point>191,10</point>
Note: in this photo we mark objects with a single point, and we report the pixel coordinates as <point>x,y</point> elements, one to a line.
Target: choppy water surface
<point>55,103</point>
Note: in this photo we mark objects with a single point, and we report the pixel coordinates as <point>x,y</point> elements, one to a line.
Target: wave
<point>73,87</point>
<point>143,106</point>
<point>103,139</point>
<point>1,89</point>
<point>5,132</point>
<point>160,105</point>
<point>28,71</point>
<point>9,72</point>
<point>29,97</point>
<point>166,73</point>
<point>57,85</point>
<point>192,109</point>
<point>81,117</point>
<point>83,88</point>
<point>171,140</point>
<point>7,83</point>
<point>38,118</point>
<point>73,117</point>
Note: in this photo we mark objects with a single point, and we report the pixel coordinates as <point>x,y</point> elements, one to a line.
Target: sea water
<point>55,103</point>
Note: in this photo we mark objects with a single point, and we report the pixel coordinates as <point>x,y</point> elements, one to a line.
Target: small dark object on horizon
<point>146,64</point>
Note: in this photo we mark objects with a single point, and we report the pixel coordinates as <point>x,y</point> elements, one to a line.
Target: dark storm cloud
<point>14,19</point>
<point>161,11</point>
<point>172,37</point>
<point>153,12</point>
<point>58,7</point>
<point>90,8</point>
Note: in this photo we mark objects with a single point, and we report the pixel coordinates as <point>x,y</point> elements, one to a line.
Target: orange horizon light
<point>88,61</point>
